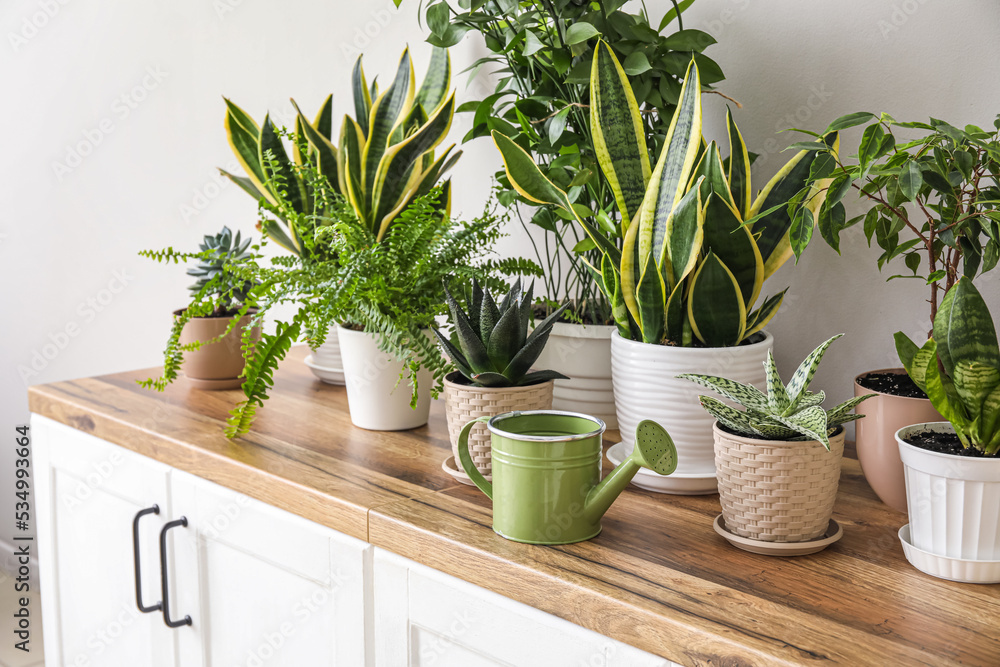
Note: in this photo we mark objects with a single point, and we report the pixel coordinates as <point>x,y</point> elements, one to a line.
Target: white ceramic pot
<point>646,387</point>
<point>953,501</point>
<point>377,398</point>
<point>583,353</point>
<point>325,361</point>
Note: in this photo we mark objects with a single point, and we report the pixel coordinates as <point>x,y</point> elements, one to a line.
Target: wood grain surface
<point>658,577</point>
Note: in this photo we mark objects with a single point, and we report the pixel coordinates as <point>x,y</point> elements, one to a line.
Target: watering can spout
<point>654,449</point>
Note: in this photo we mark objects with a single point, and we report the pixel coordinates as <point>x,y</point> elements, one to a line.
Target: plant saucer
<point>328,375</point>
<point>962,570</point>
<point>678,484</point>
<point>448,465</point>
<point>833,533</point>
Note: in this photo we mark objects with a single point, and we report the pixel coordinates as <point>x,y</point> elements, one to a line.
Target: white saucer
<point>328,375</point>
<point>945,567</point>
<point>678,484</point>
<point>448,465</point>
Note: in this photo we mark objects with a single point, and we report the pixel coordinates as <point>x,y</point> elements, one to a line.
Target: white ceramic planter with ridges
<point>378,400</point>
<point>583,353</point>
<point>646,387</point>
<point>953,501</point>
<point>325,361</point>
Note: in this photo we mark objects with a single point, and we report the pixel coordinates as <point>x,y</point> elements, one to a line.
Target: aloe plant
<point>494,348</point>
<point>698,245</point>
<point>785,412</point>
<point>959,368</point>
<point>385,159</point>
<point>216,252</point>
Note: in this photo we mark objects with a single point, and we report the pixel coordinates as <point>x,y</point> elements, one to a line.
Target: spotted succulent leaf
<point>777,398</point>
<point>810,423</point>
<point>745,394</point>
<point>806,371</point>
<point>729,417</point>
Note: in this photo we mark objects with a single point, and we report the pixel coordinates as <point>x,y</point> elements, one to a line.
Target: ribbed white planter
<point>583,353</point>
<point>646,387</point>
<point>325,361</point>
<point>377,398</point>
<point>953,501</point>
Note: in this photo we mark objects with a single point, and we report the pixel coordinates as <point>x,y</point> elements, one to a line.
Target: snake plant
<point>698,245</point>
<point>385,157</point>
<point>494,347</point>
<point>789,412</point>
<point>965,348</point>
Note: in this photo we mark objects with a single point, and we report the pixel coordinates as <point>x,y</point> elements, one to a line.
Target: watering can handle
<point>466,458</point>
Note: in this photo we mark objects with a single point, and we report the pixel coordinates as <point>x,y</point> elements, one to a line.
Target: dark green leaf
<point>581,32</point>
<point>850,120</point>
<point>910,179</point>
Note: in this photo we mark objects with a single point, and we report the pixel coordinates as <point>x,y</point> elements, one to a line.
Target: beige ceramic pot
<point>878,451</point>
<point>217,365</point>
<point>463,403</point>
<point>777,490</point>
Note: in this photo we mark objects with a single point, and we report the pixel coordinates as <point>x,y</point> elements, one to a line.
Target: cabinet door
<point>262,586</point>
<point>87,493</point>
<point>424,617</point>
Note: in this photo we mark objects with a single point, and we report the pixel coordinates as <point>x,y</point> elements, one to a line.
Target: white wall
<point>81,73</point>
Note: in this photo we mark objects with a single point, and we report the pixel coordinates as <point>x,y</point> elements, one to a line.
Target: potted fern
<point>493,353</point>
<point>778,459</point>
<point>398,143</point>
<point>697,249</point>
<point>207,337</point>
<point>952,468</point>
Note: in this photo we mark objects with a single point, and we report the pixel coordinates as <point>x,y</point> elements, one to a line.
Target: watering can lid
<point>598,423</point>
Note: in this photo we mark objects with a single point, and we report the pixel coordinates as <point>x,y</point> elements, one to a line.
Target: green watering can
<point>547,486</point>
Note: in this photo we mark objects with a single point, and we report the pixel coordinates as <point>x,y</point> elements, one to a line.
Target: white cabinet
<point>426,618</point>
<point>263,587</point>
<point>87,493</point>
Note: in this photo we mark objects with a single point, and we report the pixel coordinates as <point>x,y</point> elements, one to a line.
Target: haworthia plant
<point>964,346</point>
<point>697,245</point>
<point>494,348</point>
<point>789,412</point>
<point>384,160</point>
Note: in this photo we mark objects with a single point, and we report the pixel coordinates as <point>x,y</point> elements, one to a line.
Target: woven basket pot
<point>775,490</point>
<point>464,403</point>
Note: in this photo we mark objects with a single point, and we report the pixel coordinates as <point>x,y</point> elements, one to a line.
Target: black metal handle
<point>155,509</point>
<point>163,574</point>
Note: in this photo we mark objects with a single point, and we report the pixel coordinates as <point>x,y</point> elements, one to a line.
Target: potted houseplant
<point>697,250</point>
<point>493,354</point>
<point>932,204</point>
<point>206,338</point>
<point>397,144</point>
<point>952,468</point>
<point>778,459</point>
<point>540,101</point>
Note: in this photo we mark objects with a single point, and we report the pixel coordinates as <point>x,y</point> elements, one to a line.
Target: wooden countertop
<point>658,577</point>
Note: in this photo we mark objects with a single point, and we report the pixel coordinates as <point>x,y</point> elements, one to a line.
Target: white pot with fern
<point>778,459</point>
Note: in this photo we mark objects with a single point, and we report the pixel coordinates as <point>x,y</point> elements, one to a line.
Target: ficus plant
<point>959,367</point>
<point>698,245</point>
<point>384,159</point>
<point>540,54</point>
<point>934,200</point>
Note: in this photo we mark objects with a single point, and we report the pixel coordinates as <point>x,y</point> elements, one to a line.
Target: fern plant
<point>789,412</point>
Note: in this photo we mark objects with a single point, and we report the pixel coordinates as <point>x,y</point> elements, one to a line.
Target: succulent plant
<point>789,412</point>
<point>216,252</point>
<point>494,348</point>
<point>965,348</point>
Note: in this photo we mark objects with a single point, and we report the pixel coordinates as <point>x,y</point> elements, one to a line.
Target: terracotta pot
<point>217,365</point>
<point>878,452</point>
<point>777,490</point>
<point>463,403</point>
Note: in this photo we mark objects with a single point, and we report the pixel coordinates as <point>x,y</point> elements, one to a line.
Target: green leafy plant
<point>959,368</point>
<point>494,348</point>
<point>935,199</point>
<point>789,412</point>
<point>217,292</point>
<point>385,159</point>
<point>698,246</point>
<point>540,53</point>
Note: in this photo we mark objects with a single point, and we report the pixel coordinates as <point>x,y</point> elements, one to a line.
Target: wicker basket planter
<point>464,402</point>
<point>775,490</point>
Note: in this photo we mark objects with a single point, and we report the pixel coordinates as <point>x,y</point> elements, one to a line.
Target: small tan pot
<point>878,452</point>
<point>464,403</point>
<point>774,490</point>
<point>217,365</point>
